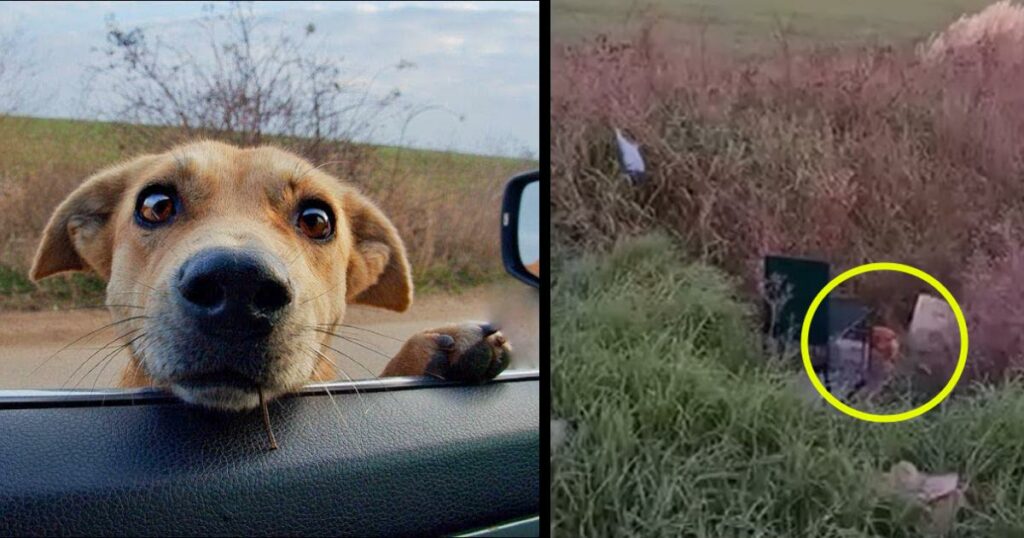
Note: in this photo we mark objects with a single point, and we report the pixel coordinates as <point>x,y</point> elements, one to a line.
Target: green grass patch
<point>683,428</point>
<point>65,291</point>
<point>13,282</point>
<point>444,279</point>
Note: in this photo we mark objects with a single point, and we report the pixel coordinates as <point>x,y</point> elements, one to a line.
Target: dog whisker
<point>361,329</point>
<point>101,373</point>
<point>133,366</point>
<point>344,373</point>
<point>140,359</point>
<point>143,284</point>
<point>334,402</point>
<point>321,356</point>
<point>329,290</point>
<point>138,352</point>
<point>351,358</point>
<point>109,359</point>
<point>79,339</point>
<point>360,396</point>
<point>97,352</point>
<point>99,306</point>
<point>365,345</point>
<point>113,352</point>
<point>336,365</point>
<point>350,340</point>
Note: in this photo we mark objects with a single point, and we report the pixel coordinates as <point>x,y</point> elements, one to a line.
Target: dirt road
<point>30,341</point>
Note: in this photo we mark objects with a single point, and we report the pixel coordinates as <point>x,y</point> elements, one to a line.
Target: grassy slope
<point>683,430</point>
<point>748,22</point>
<point>32,144</point>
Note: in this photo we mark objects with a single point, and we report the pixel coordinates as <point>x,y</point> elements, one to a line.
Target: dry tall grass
<point>999,26</point>
<point>873,153</point>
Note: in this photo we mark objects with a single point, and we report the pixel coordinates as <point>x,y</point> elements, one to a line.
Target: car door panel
<point>398,460</point>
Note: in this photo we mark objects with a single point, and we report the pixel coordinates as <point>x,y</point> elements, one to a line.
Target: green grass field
<point>748,23</point>
<point>439,200</point>
<point>683,428</point>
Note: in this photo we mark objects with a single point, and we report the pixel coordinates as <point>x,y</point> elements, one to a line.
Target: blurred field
<point>446,205</point>
<point>747,24</point>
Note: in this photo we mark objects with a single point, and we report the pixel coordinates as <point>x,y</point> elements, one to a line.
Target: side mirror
<point>520,228</point>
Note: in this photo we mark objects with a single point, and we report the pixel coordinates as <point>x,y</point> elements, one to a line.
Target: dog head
<point>885,344</point>
<point>226,265</point>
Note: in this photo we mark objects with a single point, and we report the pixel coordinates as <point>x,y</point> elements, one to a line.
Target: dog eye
<point>316,222</point>
<point>155,205</point>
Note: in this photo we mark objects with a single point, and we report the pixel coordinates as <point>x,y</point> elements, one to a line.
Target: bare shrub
<point>993,301</point>
<point>243,86</point>
<point>17,74</point>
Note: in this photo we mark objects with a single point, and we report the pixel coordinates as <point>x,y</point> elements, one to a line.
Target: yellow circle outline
<point>884,266</point>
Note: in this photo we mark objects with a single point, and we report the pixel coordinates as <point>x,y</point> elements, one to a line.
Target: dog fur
<point>246,199</point>
<point>882,358</point>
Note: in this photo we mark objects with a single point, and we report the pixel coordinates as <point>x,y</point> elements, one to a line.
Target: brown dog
<point>885,351</point>
<point>225,267</point>
<point>885,345</point>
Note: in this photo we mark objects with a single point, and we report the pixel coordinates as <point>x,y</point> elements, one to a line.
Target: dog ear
<point>378,269</point>
<point>78,236</point>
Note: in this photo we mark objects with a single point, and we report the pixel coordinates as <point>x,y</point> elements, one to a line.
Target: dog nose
<point>232,289</point>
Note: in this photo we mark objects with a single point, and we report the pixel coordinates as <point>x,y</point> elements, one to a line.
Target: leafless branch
<point>240,85</point>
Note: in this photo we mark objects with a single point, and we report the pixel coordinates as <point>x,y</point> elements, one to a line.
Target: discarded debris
<point>630,160</point>
<point>940,495</point>
<point>559,433</point>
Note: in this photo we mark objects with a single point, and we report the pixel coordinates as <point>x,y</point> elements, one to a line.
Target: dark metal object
<point>798,281</point>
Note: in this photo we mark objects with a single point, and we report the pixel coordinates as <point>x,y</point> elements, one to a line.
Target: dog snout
<point>232,290</point>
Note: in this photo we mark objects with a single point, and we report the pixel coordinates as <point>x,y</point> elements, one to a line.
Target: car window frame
<point>36,398</point>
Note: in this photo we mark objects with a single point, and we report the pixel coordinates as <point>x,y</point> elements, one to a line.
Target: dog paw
<point>468,352</point>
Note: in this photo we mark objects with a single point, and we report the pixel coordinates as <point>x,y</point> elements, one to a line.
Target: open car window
<point>253,270</point>
<point>379,117</point>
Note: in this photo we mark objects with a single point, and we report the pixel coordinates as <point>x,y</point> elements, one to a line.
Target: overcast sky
<point>480,60</point>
